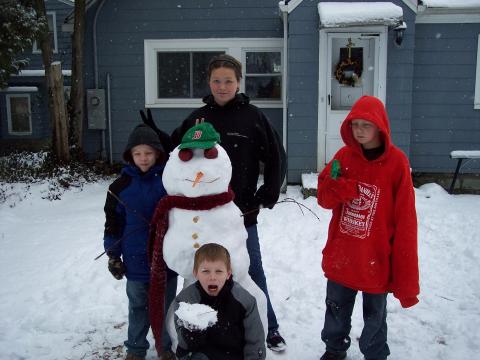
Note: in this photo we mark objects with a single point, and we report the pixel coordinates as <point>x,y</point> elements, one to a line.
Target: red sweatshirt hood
<point>371,109</point>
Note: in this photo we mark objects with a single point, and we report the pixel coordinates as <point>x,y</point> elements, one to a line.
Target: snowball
<point>196,316</point>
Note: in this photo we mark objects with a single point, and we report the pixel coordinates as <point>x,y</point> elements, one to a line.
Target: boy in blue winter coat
<point>130,203</point>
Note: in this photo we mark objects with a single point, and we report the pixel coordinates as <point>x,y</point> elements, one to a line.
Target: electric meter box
<point>96,109</point>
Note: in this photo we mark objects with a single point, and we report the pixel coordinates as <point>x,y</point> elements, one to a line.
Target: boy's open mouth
<point>212,287</point>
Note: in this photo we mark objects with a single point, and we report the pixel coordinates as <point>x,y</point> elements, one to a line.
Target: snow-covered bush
<point>19,170</point>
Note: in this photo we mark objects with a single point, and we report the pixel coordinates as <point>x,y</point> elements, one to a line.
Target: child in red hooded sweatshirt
<point>372,237</point>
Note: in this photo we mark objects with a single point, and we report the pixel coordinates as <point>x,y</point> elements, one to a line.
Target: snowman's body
<point>189,229</point>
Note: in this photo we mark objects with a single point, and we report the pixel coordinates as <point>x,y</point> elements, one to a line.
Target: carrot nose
<point>197,178</point>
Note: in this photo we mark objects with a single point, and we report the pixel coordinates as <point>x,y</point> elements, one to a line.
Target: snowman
<point>198,209</point>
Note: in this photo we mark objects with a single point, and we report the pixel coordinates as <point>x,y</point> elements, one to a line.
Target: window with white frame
<point>19,114</point>
<point>476,104</point>
<point>52,33</point>
<point>176,70</point>
<point>263,75</point>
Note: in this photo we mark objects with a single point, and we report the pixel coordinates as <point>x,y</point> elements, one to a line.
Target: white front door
<point>354,64</point>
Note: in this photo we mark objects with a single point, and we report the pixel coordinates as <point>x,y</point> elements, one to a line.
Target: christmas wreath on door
<point>350,67</point>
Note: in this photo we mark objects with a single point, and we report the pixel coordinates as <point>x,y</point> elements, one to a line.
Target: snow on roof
<point>41,72</point>
<point>452,4</point>
<point>466,154</point>
<point>335,14</point>
<point>20,89</point>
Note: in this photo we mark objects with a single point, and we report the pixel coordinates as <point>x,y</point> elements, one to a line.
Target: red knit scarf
<point>158,229</point>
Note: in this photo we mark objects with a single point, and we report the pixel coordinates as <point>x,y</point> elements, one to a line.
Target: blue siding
<point>302,90</point>
<point>64,53</point>
<point>38,100</point>
<point>40,128</point>
<point>429,94</point>
<point>444,85</point>
<point>122,27</point>
<point>303,87</point>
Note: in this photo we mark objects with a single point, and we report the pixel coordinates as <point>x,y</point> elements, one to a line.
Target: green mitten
<point>335,170</point>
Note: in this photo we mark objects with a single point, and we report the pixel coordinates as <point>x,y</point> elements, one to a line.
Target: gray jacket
<point>238,333</point>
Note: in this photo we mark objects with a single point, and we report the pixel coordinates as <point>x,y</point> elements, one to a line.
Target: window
<point>476,104</point>
<point>263,75</point>
<point>19,114</point>
<point>176,70</point>
<point>52,33</point>
<point>183,74</point>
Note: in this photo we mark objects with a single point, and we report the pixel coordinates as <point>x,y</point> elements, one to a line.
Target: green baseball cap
<point>201,136</point>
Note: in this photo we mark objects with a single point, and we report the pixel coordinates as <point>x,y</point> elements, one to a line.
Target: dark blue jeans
<point>338,319</point>
<point>257,274</point>
<point>138,321</point>
<point>170,293</point>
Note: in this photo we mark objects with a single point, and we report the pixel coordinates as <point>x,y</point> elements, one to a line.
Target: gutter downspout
<point>95,69</point>
<point>284,10</point>
<point>95,54</point>
<point>109,119</point>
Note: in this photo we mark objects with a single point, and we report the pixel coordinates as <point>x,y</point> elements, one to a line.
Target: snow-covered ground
<point>56,302</point>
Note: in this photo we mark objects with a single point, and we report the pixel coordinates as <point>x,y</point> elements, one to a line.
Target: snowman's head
<point>198,167</point>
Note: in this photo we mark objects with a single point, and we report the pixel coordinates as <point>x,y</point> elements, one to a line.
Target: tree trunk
<point>77,94</point>
<point>47,55</point>
<point>60,117</point>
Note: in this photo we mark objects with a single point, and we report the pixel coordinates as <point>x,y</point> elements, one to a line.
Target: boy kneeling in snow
<point>237,331</point>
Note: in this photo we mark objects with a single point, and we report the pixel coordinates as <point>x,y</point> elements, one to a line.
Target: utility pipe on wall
<point>109,120</point>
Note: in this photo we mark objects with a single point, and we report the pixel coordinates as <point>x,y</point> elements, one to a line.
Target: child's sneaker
<point>131,356</point>
<point>275,341</point>
<point>328,355</point>
<point>168,355</point>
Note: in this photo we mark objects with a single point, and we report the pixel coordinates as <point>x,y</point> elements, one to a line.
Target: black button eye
<point>211,153</point>
<point>185,154</point>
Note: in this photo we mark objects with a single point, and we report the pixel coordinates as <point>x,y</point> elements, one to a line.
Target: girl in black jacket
<point>250,140</point>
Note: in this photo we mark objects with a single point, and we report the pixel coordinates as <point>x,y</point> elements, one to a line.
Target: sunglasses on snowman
<point>187,154</point>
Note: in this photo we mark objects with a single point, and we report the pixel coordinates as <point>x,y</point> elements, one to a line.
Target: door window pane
<point>263,75</point>
<point>352,68</point>
<point>183,74</point>
<point>20,114</point>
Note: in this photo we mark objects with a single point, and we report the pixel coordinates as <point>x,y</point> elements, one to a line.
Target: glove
<point>116,267</point>
<point>335,170</point>
<point>408,302</point>
<point>344,189</point>
<point>188,326</point>
<point>260,198</point>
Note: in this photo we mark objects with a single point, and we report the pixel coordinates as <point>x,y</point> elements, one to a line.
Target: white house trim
<point>233,46</point>
<point>20,89</point>
<point>412,4</point>
<point>381,81</point>
<point>9,113</point>
<point>40,72</point>
<point>290,6</point>
<point>424,18</point>
<point>456,12</point>
<point>35,49</point>
<point>477,79</point>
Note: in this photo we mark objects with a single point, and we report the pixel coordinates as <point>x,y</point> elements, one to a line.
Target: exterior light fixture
<point>399,32</point>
